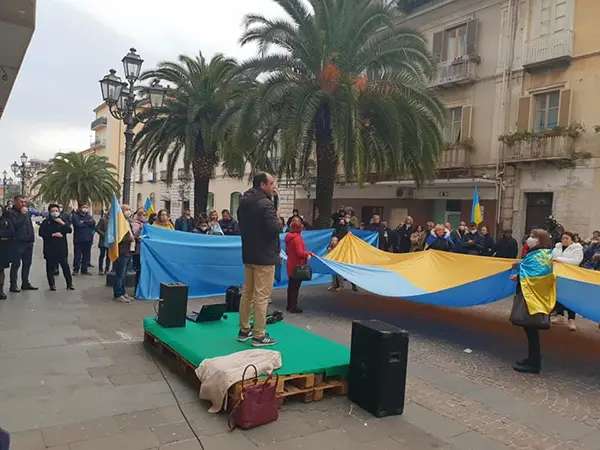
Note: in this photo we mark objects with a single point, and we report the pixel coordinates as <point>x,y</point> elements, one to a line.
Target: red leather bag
<point>257,405</point>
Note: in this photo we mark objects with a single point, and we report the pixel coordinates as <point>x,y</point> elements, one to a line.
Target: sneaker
<point>129,297</point>
<point>3,296</point>
<point>122,299</point>
<point>244,336</point>
<point>263,341</point>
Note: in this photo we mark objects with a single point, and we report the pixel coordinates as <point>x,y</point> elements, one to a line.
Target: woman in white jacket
<point>567,251</point>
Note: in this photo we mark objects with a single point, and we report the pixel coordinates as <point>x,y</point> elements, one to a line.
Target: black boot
<point>53,288</point>
<point>14,288</point>
<point>3,296</point>
<point>28,287</point>
<point>70,288</point>
<point>527,369</point>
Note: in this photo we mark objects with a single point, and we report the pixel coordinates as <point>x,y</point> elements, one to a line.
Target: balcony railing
<point>455,72</point>
<point>183,175</point>
<point>550,49</point>
<point>163,175</point>
<point>454,157</point>
<point>99,122</point>
<point>98,142</point>
<point>540,149</point>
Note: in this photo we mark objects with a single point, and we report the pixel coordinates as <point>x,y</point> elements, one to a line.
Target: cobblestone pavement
<point>74,375</point>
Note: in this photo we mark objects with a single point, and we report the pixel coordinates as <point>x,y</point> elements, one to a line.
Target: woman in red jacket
<point>296,256</point>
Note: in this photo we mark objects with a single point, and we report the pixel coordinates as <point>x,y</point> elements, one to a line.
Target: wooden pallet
<point>309,387</point>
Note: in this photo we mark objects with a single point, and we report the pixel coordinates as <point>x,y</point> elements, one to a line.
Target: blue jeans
<point>120,267</point>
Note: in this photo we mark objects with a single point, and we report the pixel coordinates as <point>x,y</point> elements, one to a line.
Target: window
<point>546,111</point>
<point>167,206</point>
<point>234,203</point>
<point>210,202</point>
<point>553,16</point>
<point>185,205</point>
<point>139,200</point>
<point>455,43</point>
<point>453,126</point>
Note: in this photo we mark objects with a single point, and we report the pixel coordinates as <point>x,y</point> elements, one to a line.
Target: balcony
<point>550,50</point>
<point>99,123</point>
<point>163,175</point>
<point>551,148</point>
<point>152,177</point>
<point>456,73</point>
<point>454,156</point>
<point>98,142</point>
<point>183,175</point>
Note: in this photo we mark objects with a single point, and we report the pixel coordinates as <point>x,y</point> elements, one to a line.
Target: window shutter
<point>564,108</point>
<point>465,126</point>
<point>472,30</point>
<point>438,45</point>
<point>523,114</point>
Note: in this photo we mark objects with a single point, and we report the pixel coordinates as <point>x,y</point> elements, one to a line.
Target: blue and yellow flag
<point>118,227</point>
<point>476,215</point>
<point>149,206</point>
<point>538,283</point>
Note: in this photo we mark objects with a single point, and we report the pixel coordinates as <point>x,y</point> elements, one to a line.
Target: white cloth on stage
<point>218,374</point>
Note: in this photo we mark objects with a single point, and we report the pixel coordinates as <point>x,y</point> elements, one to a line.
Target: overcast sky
<point>76,42</point>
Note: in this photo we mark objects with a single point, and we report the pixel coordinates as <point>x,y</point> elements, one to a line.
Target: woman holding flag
<point>121,243</point>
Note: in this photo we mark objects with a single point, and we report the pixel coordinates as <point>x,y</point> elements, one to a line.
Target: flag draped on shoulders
<point>118,227</point>
<point>538,282</point>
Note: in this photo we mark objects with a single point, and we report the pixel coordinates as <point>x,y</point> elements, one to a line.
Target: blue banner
<point>209,264</point>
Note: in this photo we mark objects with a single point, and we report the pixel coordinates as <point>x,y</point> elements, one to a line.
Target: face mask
<point>55,214</point>
<point>473,231</point>
<point>143,219</point>
<point>462,228</point>
<point>127,214</point>
<point>532,242</point>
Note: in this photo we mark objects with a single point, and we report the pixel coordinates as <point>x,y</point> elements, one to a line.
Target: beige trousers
<point>258,288</point>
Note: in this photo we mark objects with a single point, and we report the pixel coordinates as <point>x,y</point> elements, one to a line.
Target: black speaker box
<point>233,295</point>
<point>378,359</point>
<point>172,307</point>
<point>129,280</point>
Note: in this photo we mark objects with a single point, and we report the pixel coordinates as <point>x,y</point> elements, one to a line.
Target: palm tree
<point>74,176</point>
<point>347,83</point>
<point>187,125</point>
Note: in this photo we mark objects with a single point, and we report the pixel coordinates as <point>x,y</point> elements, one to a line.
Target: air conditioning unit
<point>404,192</point>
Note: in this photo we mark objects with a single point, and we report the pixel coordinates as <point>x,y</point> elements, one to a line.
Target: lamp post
<point>23,171</point>
<point>6,181</point>
<point>122,102</point>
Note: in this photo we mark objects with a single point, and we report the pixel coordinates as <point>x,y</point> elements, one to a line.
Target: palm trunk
<point>326,168</point>
<point>203,165</point>
<point>201,183</point>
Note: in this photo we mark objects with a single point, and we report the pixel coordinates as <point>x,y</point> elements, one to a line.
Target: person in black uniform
<point>53,231</point>
<point>22,245</point>
<point>7,232</point>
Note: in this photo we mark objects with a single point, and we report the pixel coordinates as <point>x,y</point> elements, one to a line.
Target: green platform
<point>301,351</point>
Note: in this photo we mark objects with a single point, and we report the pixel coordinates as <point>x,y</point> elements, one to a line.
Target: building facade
<point>519,80</point>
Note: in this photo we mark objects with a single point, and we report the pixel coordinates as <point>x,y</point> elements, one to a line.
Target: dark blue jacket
<point>230,227</point>
<point>441,243</point>
<point>476,248</point>
<point>83,224</point>
<point>457,237</point>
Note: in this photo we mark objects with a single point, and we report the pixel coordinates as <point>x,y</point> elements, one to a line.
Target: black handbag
<point>519,315</point>
<point>302,273</point>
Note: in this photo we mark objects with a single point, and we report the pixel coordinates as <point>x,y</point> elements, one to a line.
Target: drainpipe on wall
<point>513,9</point>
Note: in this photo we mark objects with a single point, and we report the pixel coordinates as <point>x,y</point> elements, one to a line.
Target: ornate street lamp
<point>23,171</point>
<point>6,181</point>
<point>123,104</point>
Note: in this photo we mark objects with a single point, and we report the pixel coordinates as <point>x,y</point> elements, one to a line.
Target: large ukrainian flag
<point>118,227</point>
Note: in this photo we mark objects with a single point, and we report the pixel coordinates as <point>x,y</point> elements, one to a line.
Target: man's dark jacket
<point>84,226</point>
<point>184,224</point>
<point>507,247</point>
<point>23,226</point>
<point>230,227</point>
<point>260,229</point>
